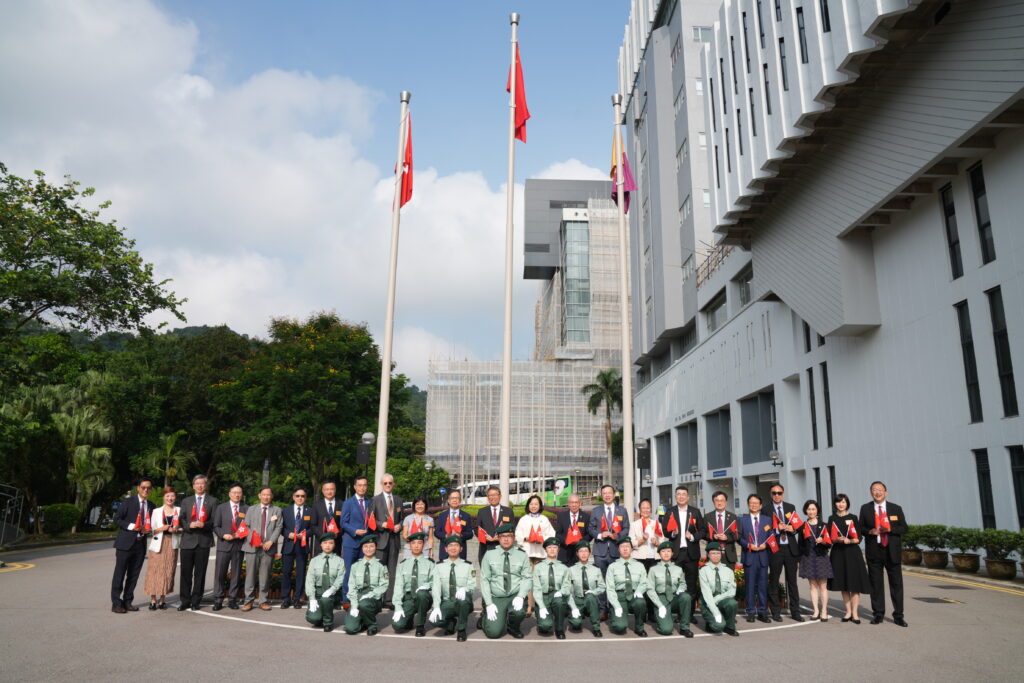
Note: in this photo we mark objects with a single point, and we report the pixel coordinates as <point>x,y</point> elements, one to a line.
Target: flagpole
<point>389,321</point>
<point>628,470</point>
<point>506,358</point>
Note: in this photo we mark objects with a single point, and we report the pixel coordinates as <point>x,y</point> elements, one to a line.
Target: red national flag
<point>149,524</point>
<point>256,539</point>
<point>138,520</point>
<point>604,524</point>
<point>174,521</point>
<point>882,523</point>
<point>390,524</point>
<point>773,543</point>
<point>448,525</point>
<point>407,164</point>
<point>202,514</point>
<point>807,531</point>
<point>657,529</point>
<point>195,515</point>
<point>332,526</point>
<point>303,537</point>
<point>851,531</point>
<point>371,521</point>
<point>415,527</point>
<point>573,535</point>
<point>242,531</point>
<point>672,525</point>
<point>711,530</point>
<point>693,521</point>
<point>522,112</point>
<point>825,538</point>
<point>750,540</point>
<point>795,521</point>
<point>775,523</point>
<point>481,535</point>
<point>535,535</point>
<point>731,527</point>
<point>835,531</point>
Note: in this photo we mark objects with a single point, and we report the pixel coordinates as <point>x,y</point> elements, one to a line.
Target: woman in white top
<point>643,532</point>
<point>422,522</point>
<point>163,550</point>
<point>533,525</point>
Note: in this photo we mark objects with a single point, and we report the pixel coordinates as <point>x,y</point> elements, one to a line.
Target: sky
<point>248,147</point>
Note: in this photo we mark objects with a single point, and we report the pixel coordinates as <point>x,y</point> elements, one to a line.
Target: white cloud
<point>572,169</point>
<point>414,347</point>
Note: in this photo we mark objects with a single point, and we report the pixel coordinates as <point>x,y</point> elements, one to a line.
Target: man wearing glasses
<point>298,533</point>
<point>132,518</point>
<point>387,513</point>
<point>787,557</point>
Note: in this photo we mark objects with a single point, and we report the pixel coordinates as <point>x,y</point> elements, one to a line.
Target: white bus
<point>552,490</point>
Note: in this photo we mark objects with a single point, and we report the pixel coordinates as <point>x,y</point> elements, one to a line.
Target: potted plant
<point>998,544</point>
<point>911,553</point>
<point>965,540</point>
<point>935,537</point>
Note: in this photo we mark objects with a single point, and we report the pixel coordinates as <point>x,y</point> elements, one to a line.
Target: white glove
<point>314,605</point>
<point>682,589</point>
<point>593,591</point>
<point>618,611</point>
<point>131,527</point>
<point>558,594</point>
<point>435,615</point>
<point>354,612</point>
<point>460,594</point>
<point>328,593</point>
<point>575,613</point>
<point>492,612</point>
<point>398,615</point>
<point>543,612</point>
<point>517,603</point>
<point>662,612</point>
<point>424,588</point>
<point>638,594</point>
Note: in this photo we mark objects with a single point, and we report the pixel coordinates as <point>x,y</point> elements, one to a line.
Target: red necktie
<point>720,530</point>
<point>885,537</point>
<point>494,514</point>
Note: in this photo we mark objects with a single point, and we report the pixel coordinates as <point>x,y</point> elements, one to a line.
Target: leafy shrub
<point>59,518</point>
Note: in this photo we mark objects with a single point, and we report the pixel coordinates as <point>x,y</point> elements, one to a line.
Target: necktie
<point>507,570</point>
<point>263,522</point>
<point>366,577</point>
<point>362,506</point>
<point>586,583</point>
<point>391,507</point>
<point>629,581</point>
<point>782,520</point>
<point>573,522</point>
<point>551,578</point>
<point>415,575</point>
<point>325,578</point>
<point>668,582</point>
<point>451,581</point>
<point>330,508</point>
<point>884,537</point>
<point>494,514</point>
<point>298,517</point>
<point>234,511</point>
<point>720,523</point>
<point>718,581</point>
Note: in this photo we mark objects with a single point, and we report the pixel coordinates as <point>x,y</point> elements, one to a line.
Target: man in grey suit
<point>196,541</point>
<point>227,519</point>
<point>609,523</point>
<point>264,522</point>
<point>387,512</point>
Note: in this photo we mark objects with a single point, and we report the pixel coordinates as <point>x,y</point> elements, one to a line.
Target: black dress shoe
<point>217,607</point>
<point>232,604</point>
<point>730,631</point>
<point>195,608</point>
<point>687,633</point>
<point>162,605</point>
<point>899,621</point>
<point>876,620</point>
<point>516,634</point>
<point>796,617</point>
<point>575,629</point>
<point>598,634</point>
<point>327,629</point>
<point>764,619</point>
<point>751,618</point>
<point>372,631</point>
<point>183,606</point>
<point>479,623</point>
<point>152,607</point>
<point>420,631</point>
<point>286,603</point>
<point>845,619</point>
<point>117,609</point>
<point>461,637</point>
<point>129,607</point>
<point>856,621</point>
<point>641,634</point>
<point>776,617</point>
<point>560,635</point>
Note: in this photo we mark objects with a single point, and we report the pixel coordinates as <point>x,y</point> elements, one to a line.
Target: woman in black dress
<point>814,564</point>
<point>849,574</point>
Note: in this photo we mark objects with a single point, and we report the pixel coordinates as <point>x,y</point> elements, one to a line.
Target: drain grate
<point>940,601</point>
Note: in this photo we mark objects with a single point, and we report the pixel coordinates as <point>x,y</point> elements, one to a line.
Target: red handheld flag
<point>332,526</point>
<point>371,521</point>
<point>693,521</point>
<point>711,530</point>
<point>522,112</point>
<point>672,525</point>
<point>481,535</point>
<point>202,514</point>
<point>835,531</point>
<point>174,521</point>
<point>149,524</point>
<point>657,529</point>
<point>390,524</point>
<point>535,535</point>
<point>616,525</point>
<point>604,525</point>
<point>256,539</point>
<point>242,531</point>
<point>825,538</point>
<point>883,523</point>
<point>807,531</point>
<point>407,164</point>
<point>773,543</point>
<point>573,536</point>
<point>303,537</point>
<point>415,527</point>
<point>138,521</point>
<point>750,540</point>
<point>795,521</point>
<point>448,524</point>
<point>851,531</point>
<point>731,527</point>
<point>775,523</point>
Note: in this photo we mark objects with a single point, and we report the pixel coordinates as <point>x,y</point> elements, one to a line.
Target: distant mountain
<point>416,408</point>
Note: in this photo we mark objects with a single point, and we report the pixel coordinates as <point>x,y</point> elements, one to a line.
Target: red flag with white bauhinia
<point>851,530</point>
<point>773,543</point>
<point>522,112</point>
<point>332,526</point>
<point>825,538</point>
<point>573,535</point>
<point>535,535</point>
<point>795,521</point>
<point>303,537</point>
<point>617,524</point>
<point>242,531</point>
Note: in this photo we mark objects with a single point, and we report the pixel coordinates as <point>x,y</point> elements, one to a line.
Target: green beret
<point>665,545</point>
<point>550,541</point>
<point>368,538</point>
<point>418,536</point>
<point>582,544</point>
<point>624,539</point>
<point>504,529</point>
<point>329,536</point>
<point>453,538</point>
<point>713,546</point>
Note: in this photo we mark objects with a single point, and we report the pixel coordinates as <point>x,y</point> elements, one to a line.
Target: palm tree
<point>166,459</point>
<point>83,429</point>
<point>606,390</point>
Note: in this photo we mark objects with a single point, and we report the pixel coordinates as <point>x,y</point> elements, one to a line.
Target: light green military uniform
<point>504,576</point>
<point>454,612</point>
<point>587,585</point>
<point>667,588</point>
<point>552,591</point>
<point>325,572</point>
<point>718,596</point>
<point>367,583</point>
<point>414,579</point>
<point>626,579</point>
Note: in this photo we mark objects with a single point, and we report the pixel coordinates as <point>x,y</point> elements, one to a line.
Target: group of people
<point>588,566</point>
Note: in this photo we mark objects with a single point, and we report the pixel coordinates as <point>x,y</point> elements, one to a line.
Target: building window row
<point>986,500</point>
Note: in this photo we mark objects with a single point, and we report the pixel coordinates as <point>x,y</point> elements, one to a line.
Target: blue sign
<point>718,473</point>
<point>443,490</point>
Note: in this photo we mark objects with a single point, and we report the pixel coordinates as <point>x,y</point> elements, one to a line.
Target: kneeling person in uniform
<point>668,593</point>
<point>324,577</point>
<point>454,581</point>
<point>367,583</point>
<point>718,593</point>
<point>626,583</point>
<point>504,584</point>
<point>587,587</point>
<point>413,580</point>
<point>552,591</point>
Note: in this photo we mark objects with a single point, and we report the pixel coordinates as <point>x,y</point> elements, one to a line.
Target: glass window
<point>1017,474</point>
<point>753,114</point>
<point>782,63</point>
<point>778,10</point>
<point>802,33</point>
<point>963,315</point>
<point>682,154</point>
<point>814,409</point>
<point>576,291</point>
<point>828,404</point>
<point>988,247</point>
<point>746,42</point>
<point>988,508</point>
<point>760,24</point>
<point>826,22</point>
<point>702,34</point>
<point>743,282</point>
<point>1004,363</point>
<point>715,312</point>
<point>706,197</point>
<point>702,140</point>
<point>680,99</point>
<point>956,263</point>
<point>767,93</point>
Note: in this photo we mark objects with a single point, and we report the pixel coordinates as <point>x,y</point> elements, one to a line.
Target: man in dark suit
<point>608,524</point>
<point>132,518</point>
<point>722,526</point>
<point>883,549</point>
<point>682,524</point>
<point>573,518</point>
<point>355,517</point>
<point>755,528</point>
<point>787,558</point>
<point>196,540</point>
<point>227,519</point>
<point>387,513</point>
<point>324,510</point>
<point>490,517</point>
<point>297,518</point>
<point>453,520</point>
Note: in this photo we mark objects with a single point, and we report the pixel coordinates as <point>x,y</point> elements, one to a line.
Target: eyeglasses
<point>145,488</point>
<point>776,493</point>
<point>299,495</point>
<point>388,483</point>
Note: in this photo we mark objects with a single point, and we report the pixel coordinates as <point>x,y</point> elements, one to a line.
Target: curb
<point>57,544</point>
<point>1016,582</point>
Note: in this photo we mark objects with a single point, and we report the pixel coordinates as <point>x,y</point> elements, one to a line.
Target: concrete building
<point>861,316</point>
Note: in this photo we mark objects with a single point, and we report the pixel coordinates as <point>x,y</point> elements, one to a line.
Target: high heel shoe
<point>856,621</point>
<point>824,620</point>
<point>846,619</point>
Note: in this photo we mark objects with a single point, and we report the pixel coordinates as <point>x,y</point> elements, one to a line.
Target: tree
<point>167,459</point>
<point>606,390</point>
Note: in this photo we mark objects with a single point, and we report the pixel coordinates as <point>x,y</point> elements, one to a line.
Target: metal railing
<point>715,258</point>
<point>12,505</point>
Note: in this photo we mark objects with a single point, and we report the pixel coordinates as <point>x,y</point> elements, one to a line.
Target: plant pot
<point>936,559</point>
<point>1001,569</point>
<point>967,563</point>
<point>911,556</point>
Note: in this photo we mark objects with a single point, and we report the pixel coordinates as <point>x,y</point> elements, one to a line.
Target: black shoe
<point>420,631</point>
<point>560,635</point>
<point>232,604</point>
<point>641,634</point>
<point>778,617</point>
<point>162,605</point>
<point>751,618</point>
<point>598,634</point>
<point>118,609</point>
<point>372,631</point>
<point>217,607</point>
<point>461,637</point>
<point>876,620</point>
<point>765,620</point>
<point>286,603</point>
<point>899,621</point>
<point>480,624</point>
<point>152,607</point>
<point>195,608</point>
<point>730,631</point>
<point>181,608</point>
<point>856,621</point>
<point>796,617</point>
<point>846,619</point>
<point>129,607</point>
<point>686,633</point>
<point>515,634</point>
<point>298,604</point>
<point>327,629</point>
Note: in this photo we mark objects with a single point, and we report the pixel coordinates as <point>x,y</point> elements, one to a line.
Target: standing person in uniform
<point>387,513</point>
<point>163,550</point>
<point>227,527</point>
<point>504,584</point>
<point>325,511</point>
<point>886,525</point>
<point>355,523</point>
<point>131,518</point>
<point>718,593</point>
<point>814,563</point>
<point>682,524</point>
<point>587,585</point>
<point>570,529</point>
<point>414,579</point>
<point>607,522</point>
<point>296,529</point>
<point>787,558</point>
<point>754,532</point>
<point>368,581</point>
<point>489,518</point>
<point>454,581</point>
<point>196,541</point>
<point>265,528</point>
<point>645,532</point>
<point>552,591</point>
<point>323,581</point>
<point>848,572</point>
<point>453,520</point>
<point>667,590</point>
<point>723,527</point>
<point>418,521</point>
<point>625,586</point>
